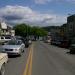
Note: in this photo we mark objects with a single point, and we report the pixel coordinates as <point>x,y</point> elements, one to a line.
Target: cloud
<point>42,1</point>
<point>71,0</point>
<point>22,14</point>
<point>47,1</point>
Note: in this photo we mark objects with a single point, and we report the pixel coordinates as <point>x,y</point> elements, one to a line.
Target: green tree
<point>21,29</point>
<point>26,30</point>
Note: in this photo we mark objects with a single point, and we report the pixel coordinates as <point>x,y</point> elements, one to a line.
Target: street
<point>50,60</point>
<point>37,37</point>
<point>16,64</point>
<point>44,59</point>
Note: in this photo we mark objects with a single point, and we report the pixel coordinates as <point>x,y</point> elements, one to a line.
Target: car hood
<point>11,46</point>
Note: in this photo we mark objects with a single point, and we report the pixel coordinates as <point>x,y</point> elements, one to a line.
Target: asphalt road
<point>52,60</point>
<point>45,59</point>
<point>16,64</point>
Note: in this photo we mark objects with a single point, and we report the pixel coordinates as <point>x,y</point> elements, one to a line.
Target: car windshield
<point>15,42</point>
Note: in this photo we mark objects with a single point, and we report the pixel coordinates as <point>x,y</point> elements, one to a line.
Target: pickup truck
<point>3,61</point>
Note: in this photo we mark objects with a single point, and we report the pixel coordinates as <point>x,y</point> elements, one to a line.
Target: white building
<point>6,29</point>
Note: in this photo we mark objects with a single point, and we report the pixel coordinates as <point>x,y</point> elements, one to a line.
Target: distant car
<point>64,43</point>
<point>26,41</point>
<point>30,41</point>
<point>14,47</point>
<point>47,40</point>
<point>55,42</point>
<point>72,48</point>
<point>20,38</point>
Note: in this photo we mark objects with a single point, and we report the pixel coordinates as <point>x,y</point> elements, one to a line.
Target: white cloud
<point>47,1</point>
<point>71,0</point>
<point>21,14</point>
<point>42,1</point>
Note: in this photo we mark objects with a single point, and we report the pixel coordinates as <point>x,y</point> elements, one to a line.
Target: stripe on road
<point>28,69</point>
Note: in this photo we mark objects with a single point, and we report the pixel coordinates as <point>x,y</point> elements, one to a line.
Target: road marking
<point>28,69</point>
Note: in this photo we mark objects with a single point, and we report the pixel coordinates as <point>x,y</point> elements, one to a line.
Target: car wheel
<point>71,51</point>
<point>2,71</point>
<point>19,54</point>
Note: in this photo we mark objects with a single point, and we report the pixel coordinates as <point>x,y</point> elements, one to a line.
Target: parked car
<point>72,46</point>
<point>64,43</point>
<point>47,41</point>
<point>55,42</point>
<point>5,38</point>
<point>14,47</point>
<point>3,62</point>
<point>26,41</point>
<point>30,41</point>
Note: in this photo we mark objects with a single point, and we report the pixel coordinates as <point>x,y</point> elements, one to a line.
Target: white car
<point>14,47</point>
<point>5,38</point>
<point>3,62</point>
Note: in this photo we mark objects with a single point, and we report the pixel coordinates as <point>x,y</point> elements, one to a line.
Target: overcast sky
<point>36,12</point>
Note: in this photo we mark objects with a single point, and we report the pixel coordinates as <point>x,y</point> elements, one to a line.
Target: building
<point>55,32</point>
<point>6,29</point>
<point>63,30</point>
<point>71,26</point>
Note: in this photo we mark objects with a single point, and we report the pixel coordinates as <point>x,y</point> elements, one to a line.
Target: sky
<point>36,12</point>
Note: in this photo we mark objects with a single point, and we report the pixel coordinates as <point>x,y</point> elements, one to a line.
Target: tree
<point>21,29</point>
<point>26,30</point>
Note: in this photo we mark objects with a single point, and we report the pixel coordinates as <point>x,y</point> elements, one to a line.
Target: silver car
<point>14,47</point>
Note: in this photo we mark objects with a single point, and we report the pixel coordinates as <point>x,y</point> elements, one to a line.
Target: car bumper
<point>13,53</point>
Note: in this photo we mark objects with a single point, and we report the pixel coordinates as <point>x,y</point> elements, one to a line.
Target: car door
<point>22,46</point>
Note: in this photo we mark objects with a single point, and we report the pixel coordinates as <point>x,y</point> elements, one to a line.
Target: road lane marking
<point>28,69</point>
